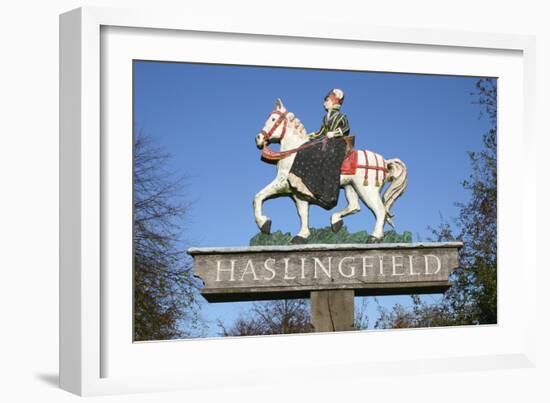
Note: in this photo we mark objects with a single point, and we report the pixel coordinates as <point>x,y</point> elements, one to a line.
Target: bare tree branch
<point>165,304</point>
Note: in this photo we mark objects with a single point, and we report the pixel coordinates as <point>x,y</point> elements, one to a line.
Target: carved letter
<point>352,272</point>
<point>381,259</point>
<point>318,263</point>
<point>438,263</point>
<point>365,265</point>
<point>303,259</point>
<point>413,273</point>
<point>250,266</point>
<point>231,270</point>
<point>287,277</point>
<point>395,265</point>
<point>269,269</point>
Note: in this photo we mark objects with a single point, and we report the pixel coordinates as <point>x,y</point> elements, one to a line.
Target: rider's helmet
<point>337,95</point>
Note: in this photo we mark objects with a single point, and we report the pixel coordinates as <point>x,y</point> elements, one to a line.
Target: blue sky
<point>206,117</point>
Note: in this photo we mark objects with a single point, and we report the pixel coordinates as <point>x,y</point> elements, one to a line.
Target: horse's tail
<point>397,176</point>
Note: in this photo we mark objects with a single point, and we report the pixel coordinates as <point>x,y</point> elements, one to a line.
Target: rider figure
<point>315,173</point>
<point>335,123</point>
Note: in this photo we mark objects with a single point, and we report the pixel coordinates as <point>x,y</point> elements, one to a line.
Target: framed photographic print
<point>237,197</point>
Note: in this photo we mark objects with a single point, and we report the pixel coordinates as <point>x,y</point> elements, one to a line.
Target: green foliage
<point>421,314</point>
<point>394,237</point>
<point>327,236</point>
<point>472,298</point>
<point>275,238</point>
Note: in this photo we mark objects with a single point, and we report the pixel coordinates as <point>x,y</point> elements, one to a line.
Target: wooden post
<point>332,310</point>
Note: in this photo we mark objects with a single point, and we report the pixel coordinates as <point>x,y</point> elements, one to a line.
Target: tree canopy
<point>472,298</point>
<point>165,303</point>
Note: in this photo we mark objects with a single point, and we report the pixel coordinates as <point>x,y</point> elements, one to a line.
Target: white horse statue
<point>366,183</point>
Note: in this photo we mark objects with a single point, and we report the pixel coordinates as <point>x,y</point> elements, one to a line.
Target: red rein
<point>273,157</point>
<point>282,119</point>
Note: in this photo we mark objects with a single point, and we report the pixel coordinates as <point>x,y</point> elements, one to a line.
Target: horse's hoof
<point>373,239</point>
<point>337,226</point>
<point>298,240</point>
<point>266,228</point>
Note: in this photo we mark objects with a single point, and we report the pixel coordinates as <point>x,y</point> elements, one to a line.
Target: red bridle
<point>282,119</point>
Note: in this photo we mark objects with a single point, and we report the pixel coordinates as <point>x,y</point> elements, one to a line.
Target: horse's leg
<point>275,187</point>
<point>353,207</point>
<point>302,207</point>
<point>370,195</point>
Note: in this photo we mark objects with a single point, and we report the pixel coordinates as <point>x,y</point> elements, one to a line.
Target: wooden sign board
<point>293,271</point>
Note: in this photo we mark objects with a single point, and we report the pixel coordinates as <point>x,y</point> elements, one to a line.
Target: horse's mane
<point>296,123</point>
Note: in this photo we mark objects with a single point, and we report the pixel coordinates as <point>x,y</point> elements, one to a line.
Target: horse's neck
<point>293,139</point>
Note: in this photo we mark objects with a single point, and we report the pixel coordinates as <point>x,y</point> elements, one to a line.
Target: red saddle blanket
<point>349,166</point>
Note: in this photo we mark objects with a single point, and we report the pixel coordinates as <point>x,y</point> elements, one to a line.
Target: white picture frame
<point>97,355</point>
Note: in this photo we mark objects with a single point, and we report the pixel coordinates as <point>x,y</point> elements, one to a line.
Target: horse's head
<point>275,126</point>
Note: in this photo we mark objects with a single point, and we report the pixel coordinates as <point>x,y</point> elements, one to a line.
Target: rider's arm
<point>321,132</point>
<point>339,126</point>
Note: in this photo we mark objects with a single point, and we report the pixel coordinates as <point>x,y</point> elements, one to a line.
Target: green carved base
<point>326,236</point>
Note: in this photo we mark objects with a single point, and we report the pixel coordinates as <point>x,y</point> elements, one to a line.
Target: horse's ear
<point>279,104</point>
